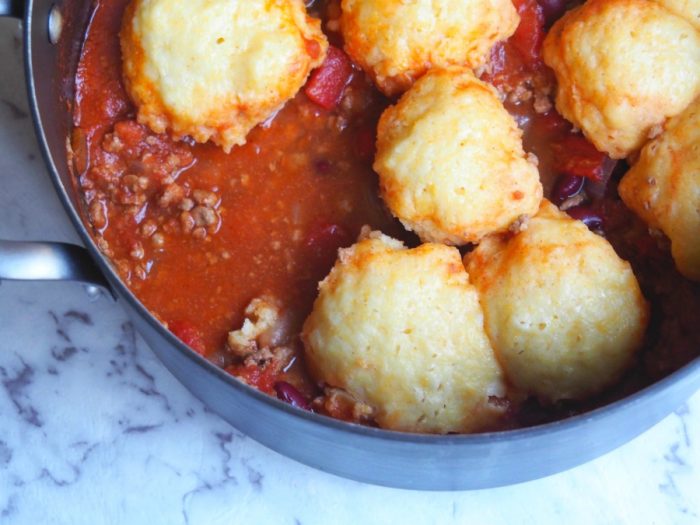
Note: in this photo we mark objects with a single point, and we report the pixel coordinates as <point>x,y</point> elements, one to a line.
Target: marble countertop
<point>94,430</point>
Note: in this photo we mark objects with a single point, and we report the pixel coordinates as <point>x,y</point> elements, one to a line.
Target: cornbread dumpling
<point>401,330</point>
<point>397,41</point>
<point>623,67</point>
<point>450,160</point>
<point>663,188</point>
<point>214,69</point>
<point>689,10</point>
<point>563,312</point>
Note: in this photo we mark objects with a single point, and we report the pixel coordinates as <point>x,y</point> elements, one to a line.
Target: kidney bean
<point>587,216</point>
<point>291,395</point>
<point>552,10</point>
<point>596,188</point>
<point>323,243</point>
<point>566,187</point>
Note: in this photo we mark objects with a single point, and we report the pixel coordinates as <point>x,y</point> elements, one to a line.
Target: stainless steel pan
<point>353,451</point>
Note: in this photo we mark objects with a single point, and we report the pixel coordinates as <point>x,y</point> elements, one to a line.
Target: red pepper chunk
<point>188,334</point>
<point>574,155</point>
<point>327,83</point>
<point>512,61</point>
<point>529,35</point>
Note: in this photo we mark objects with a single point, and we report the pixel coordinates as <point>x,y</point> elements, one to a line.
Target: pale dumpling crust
<point>214,69</point>
<point>686,9</point>
<point>663,188</point>
<point>563,312</point>
<point>450,160</point>
<point>397,41</point>
<point>402,331</point>
<point>623,67</point>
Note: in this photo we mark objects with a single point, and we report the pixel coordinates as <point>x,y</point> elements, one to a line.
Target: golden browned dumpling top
<point>623,67</point>
<point>214,69</point>
<point>451,162</point>
<point>563,312</point>
<point>402,331</point>
<point>686,9</point>
<point>663,188</point>
<point>397,41</point>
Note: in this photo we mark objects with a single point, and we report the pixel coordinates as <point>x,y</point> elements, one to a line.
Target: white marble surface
<point>94,430</point>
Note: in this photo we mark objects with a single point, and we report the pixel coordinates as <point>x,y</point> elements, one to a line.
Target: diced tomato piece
<point>512,61</point>
<point>188,334</point>
<point>574,155</point>
<point>506,68</point>
<point>324,241</point>
<point>327,83</point>
<point>130,132</point>
<point>497,63</point>
<point>261,377</point>
<point>529,34</point>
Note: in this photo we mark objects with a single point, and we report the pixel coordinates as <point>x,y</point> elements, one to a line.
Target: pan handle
<point>49,261</point>
<point>13,8</point>
<point>46,261</point>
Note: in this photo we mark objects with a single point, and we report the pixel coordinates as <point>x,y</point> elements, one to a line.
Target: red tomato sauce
<point>197,233</point>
